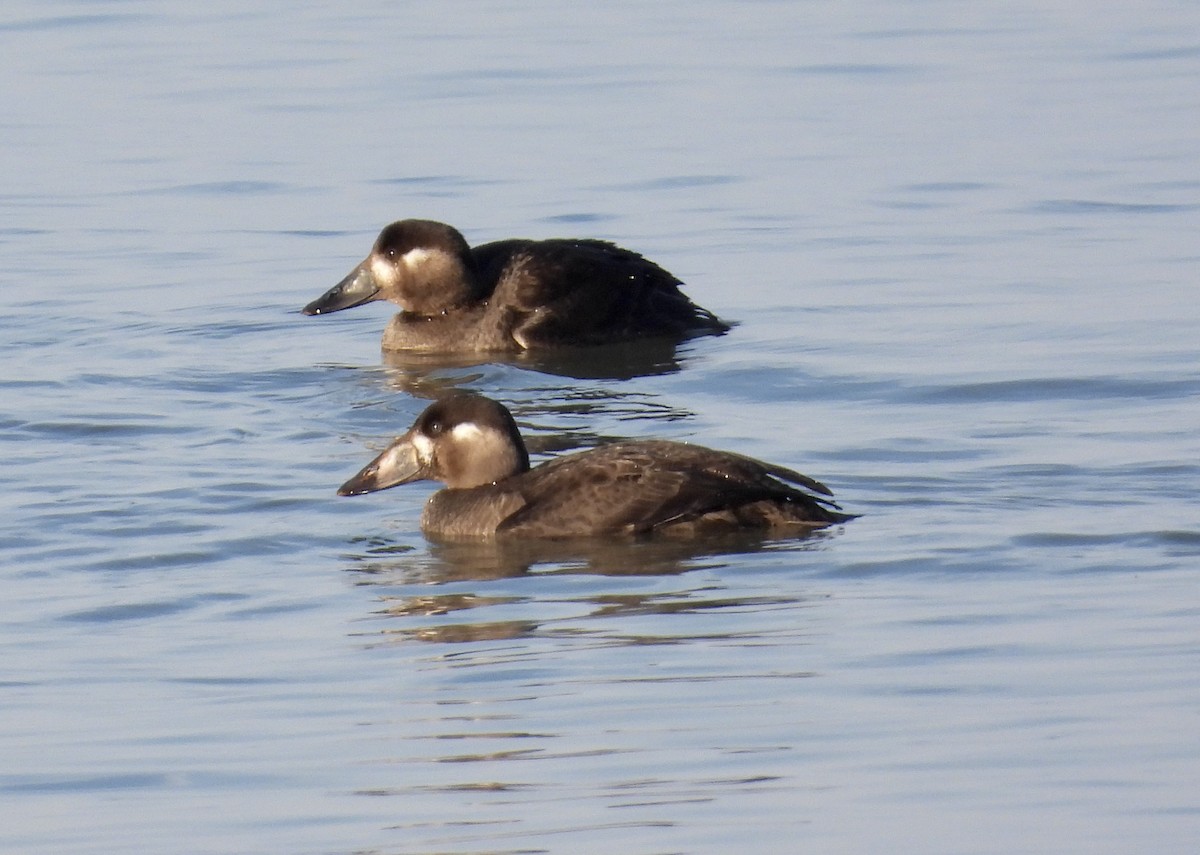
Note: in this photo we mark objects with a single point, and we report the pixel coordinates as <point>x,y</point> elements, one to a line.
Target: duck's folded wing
<point>581,291</point>
<point>597,492</point>
<point>750,468</point>
<point>637,487</point>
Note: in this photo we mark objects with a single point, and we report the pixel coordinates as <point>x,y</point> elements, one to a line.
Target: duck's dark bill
<point>357,288</point>
<point>399,463</point>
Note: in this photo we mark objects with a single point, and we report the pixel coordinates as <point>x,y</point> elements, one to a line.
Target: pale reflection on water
<point>618,361</point>
<point>451,561</point>
<point>394,570</point>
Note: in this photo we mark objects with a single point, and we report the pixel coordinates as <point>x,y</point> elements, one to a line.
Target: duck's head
<point>423,266</point>
<point>464,440</point>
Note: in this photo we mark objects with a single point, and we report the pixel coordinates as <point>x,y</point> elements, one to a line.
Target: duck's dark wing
<point>635,487</point>
<point>748,465</point>
<point>585,291</point>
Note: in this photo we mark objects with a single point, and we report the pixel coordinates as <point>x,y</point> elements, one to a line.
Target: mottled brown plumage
<point>513,295</point>
<point>472,444</point>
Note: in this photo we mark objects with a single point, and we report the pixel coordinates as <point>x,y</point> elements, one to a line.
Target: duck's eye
<point>435,427</point>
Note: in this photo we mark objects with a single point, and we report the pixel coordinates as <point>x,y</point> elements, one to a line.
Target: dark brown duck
<point>472,445</point>
<point>513,295</point>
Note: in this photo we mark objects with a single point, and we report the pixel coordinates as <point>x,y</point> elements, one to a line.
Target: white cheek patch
<point>416,257</point>
<point>468,432</point>
<point>423,446</point>
<point>382,271</point>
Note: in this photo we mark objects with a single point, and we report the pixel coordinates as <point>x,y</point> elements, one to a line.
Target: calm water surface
<point>960,246</point>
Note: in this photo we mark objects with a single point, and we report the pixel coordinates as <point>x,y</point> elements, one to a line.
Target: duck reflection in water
<point>621,360</point>
<point>384,563</point>
<point>639,487</point>
<point>402,575</point>
<point>434,376</point>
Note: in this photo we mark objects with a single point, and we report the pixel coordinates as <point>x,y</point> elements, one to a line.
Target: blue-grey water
<point>961,245</point>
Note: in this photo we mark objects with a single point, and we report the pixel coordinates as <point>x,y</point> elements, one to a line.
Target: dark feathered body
<point>513,295</point>
<point>634,487</point>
